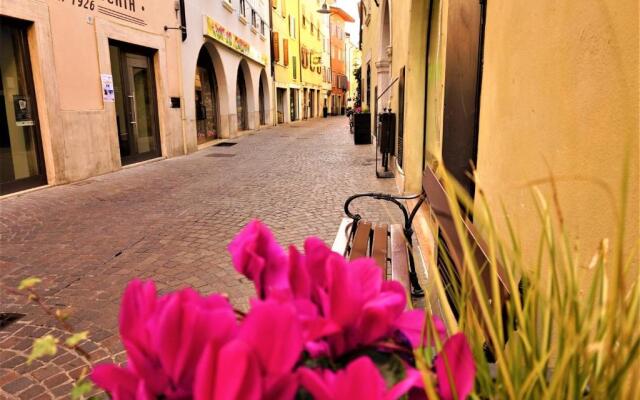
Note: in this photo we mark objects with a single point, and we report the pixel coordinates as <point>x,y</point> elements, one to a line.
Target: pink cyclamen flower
<point>359,380</point>
<point>259,363</point>
<point>455,368</point>
<point>256,254</point>
<point>342,305</point>
<point>164,338</point>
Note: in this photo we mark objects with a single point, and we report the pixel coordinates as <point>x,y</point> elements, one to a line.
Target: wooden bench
<point>390,245</point>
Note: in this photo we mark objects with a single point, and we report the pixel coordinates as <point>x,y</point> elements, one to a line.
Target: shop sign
<point>130,11</point>
<point>221,34</point>
<point>22,109</point>
<point>108,94</point>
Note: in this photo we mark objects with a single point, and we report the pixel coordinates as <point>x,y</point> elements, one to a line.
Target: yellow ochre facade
<point>526,98</point>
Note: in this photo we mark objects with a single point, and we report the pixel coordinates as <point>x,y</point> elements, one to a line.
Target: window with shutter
<point>292,27</point>
<point>276,47</point>
<point>295,67</point>
<point>285,51</point>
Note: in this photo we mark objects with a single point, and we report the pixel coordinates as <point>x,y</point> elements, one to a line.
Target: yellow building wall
<point>560,95</point>
<point>311,41</point>
<point>281,13</point>
<point>408,43</point>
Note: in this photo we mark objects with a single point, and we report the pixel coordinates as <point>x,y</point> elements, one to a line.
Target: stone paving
<point>171,221</point>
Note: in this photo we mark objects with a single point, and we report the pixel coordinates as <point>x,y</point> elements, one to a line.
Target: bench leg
<point>416,289</point>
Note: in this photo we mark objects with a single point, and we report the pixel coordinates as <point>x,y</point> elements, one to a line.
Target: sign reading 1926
<point>88,4</point>
<point>129,5</point>
<point>112,9</point>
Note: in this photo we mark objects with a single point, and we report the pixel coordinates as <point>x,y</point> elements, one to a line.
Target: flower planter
<point>362,128</point>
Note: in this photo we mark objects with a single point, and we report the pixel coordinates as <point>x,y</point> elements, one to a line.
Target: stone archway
<point>245,98</point>
<point>222,72</point>
<point>206,99</point>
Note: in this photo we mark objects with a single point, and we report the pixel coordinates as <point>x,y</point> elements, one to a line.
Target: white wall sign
<point>108,94</point>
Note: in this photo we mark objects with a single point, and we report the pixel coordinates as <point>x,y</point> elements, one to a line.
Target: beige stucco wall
<point>560,95</point>
<point>408,43</point>
<point>69,50</point>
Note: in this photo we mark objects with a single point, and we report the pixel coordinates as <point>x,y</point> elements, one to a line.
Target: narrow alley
<point>169,220</point>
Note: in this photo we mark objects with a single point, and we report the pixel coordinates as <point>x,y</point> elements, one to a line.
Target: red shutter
<point>276,47</point>
<point>285,51</point>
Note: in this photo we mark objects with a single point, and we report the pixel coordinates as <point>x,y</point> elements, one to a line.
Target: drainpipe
<point>426,83</point>
<point>299,38</point>
<point>272,70</point>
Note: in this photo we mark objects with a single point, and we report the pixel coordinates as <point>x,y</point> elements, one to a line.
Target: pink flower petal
<point>315,384</point>
<point>138,304</point>
<point>232,373</point>
<point>256,254</point>
<point>455,359</point>
<point>411,324</point>
<point>360,380</point>
<point>274,332</point>
<point>120,382</point>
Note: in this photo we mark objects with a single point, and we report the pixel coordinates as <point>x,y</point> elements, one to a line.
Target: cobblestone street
<point>171,221</point>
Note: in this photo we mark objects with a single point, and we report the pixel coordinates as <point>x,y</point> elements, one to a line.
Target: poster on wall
<point>22,109</point>
<point>108,94</point>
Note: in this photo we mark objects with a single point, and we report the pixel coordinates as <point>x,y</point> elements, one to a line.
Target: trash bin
<point>362,128</point>
<point>325,112</point>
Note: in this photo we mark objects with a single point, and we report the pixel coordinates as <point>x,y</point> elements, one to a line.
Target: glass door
<point>136,110</point>
<point>21,161</point>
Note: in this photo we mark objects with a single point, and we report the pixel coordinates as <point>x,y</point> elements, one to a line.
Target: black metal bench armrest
<point>416,290</point>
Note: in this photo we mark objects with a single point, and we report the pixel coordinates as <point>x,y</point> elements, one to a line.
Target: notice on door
<point>22,108</point>
<point>108,95</point>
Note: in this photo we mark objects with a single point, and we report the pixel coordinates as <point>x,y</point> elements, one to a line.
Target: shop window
<point>21,159</point>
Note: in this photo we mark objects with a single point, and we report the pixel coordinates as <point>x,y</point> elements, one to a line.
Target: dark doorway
<point>261,106</point>
<point>136,108</point>
<point>281,94</point>
<point>21,160</point>
<point>312,103</point>
<point>293,102</point>
<point>465,37</point>
<point>241,101</point>
<point>206,97</point>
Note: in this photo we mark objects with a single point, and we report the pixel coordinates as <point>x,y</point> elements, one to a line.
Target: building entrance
<point>21,161</point>
<point>136,109</point>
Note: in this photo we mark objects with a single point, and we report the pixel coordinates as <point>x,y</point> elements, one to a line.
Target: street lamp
<point>324,9</point>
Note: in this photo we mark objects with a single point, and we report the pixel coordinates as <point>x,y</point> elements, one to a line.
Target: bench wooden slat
<point>379,248</point>
<point>360,245</point>
<point>399,257</point>
<point>342,237</point>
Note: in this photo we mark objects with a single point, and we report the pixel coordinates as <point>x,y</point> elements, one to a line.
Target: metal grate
<point>7,319</point>
<point>220,155</point>
<point>225,144</point>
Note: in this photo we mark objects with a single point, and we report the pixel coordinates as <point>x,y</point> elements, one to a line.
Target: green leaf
<point>80,389</point>
<point>73,340</point>
<point>44,346</point>
<point>29,283</point>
